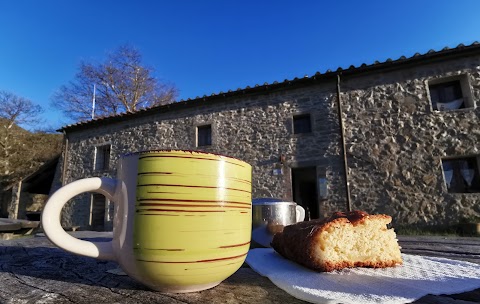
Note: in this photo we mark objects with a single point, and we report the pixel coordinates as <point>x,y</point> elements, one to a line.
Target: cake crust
<point>302,242</point>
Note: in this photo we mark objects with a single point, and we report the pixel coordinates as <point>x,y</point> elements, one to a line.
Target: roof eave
<point>389,64</point>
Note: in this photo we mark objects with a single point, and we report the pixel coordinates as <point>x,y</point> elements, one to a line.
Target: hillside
<point>22,152</point>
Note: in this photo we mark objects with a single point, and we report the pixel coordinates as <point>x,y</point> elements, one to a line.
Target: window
<point>461,174</point>
<point>204,135</point>
<point>447,96</point>
<point>450,93</point>
<point>102,158</point>
<point>302,124</point>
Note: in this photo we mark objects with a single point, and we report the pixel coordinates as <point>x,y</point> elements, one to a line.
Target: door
<point>97,216</point>
<point>304,187</point>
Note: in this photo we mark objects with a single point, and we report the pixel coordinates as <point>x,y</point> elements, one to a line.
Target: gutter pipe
<point>342,138</point>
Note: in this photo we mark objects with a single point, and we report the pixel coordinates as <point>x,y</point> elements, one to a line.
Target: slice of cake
<point>353,239</point>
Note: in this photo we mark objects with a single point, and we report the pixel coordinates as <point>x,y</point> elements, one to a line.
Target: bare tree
<point>122,83</point>
<point>18,110</point>
<point>14,111</point>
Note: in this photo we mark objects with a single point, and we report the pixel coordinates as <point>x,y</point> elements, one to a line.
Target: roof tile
<point>352,68</point>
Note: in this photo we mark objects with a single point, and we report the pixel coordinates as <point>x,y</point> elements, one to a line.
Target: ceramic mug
<point>182,219</point>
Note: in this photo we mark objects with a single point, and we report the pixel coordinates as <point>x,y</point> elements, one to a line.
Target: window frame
<point>209,140</point>
<point>456,176</point>
<point>465,90</point>
<point>106,158</point>
<point>296,117</point>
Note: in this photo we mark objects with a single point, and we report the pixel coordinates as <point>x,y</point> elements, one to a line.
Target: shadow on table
<point>39,265</point>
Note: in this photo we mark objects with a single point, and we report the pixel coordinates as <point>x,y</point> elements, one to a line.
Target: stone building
<point>407,143</point>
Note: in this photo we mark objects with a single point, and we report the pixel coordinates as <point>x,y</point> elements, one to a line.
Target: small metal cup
<point>271,215</point>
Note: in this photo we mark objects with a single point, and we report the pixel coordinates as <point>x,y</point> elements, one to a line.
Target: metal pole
<point>93,103</point>
<point>65,160</point>
<point>342,135</point>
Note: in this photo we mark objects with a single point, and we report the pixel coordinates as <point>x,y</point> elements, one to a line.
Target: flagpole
<point>93,102</point>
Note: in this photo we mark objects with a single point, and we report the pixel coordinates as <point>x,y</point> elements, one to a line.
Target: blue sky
<point>205,47</point>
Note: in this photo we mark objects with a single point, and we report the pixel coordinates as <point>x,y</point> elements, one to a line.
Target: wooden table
<point>32,270</point>
<point>10,227</point>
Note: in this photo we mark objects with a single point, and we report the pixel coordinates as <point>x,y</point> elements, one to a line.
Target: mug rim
<point>129,154</point>
<point>270,201</point>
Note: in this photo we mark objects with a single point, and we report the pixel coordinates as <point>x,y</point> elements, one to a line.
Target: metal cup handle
<point>300,212</point>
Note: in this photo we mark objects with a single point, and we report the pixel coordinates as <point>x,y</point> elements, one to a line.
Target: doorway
<point>97,217</point>
<point>304,186</point>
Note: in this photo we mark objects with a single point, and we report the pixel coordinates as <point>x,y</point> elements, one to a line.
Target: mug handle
<point>51,217</point>
<point>300,213</point>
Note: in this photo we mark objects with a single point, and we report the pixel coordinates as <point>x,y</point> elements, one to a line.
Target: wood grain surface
<point>32,270</point>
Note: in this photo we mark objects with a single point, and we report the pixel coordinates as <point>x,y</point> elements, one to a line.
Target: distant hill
<point>22,152</point>
<point>16,129</point>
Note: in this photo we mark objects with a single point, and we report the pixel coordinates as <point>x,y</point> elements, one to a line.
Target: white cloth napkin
<point>418,276</point>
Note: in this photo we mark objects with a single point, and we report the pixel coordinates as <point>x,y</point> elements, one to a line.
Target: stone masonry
<point>395,143</point>
<point>394,139</point>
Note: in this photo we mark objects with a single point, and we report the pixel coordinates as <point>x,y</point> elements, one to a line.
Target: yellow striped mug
<point>182,219</point>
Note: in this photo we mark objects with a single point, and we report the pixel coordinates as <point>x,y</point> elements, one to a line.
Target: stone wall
<point>394,141</point>
<point>256,129</point>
